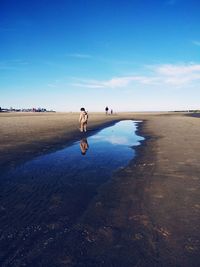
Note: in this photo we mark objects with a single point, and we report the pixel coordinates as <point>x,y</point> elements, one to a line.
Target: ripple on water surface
<point>47,195</point>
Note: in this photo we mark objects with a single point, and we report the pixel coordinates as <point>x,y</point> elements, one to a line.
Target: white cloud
<point>178,75</point>
<point>165,74</point>
<point>115,82</point>
<point>176,70</point>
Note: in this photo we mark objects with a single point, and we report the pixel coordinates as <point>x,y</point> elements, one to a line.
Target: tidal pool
<point>47,195</point>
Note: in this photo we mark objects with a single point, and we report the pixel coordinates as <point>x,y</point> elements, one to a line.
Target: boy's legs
<point>82,127</point>
<point>85,127</point>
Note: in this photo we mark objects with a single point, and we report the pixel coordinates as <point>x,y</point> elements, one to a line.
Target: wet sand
<point>147,215</point>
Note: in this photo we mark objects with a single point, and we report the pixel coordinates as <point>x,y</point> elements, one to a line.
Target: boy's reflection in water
<point>84,146</point>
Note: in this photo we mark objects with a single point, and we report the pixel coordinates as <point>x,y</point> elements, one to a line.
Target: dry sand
<point>149,214</point>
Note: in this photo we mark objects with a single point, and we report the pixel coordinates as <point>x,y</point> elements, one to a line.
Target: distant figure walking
<point>83,119</point>
<point>84,146</point>
<point>106,110</point>
<point>111,112</point>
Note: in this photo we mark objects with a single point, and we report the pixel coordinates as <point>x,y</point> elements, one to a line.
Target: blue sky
<point>132,55</point>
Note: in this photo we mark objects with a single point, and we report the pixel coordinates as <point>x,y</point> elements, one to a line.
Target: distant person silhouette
<point>106,110</point>
<point>84,146</point>
<point>83,119</point>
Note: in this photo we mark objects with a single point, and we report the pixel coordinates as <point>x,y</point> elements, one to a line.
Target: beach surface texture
<point>148,214</point>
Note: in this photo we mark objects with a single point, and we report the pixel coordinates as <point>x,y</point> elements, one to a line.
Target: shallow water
<point>46,196</point>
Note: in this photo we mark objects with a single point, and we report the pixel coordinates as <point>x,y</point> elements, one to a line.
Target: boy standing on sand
<point>83,120</point>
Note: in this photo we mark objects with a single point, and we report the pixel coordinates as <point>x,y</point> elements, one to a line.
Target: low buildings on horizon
<point>25,110</point>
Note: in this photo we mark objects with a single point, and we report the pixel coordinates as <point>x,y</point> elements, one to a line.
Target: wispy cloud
<point>14,64</point>
<point>196,43</point>
<point>77,55</point>
<point>178,75</point>
<point>174,70</point>
<point>115,82</point>
<point>166,74</point>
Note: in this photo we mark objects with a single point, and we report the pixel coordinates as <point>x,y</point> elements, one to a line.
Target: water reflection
<point>120,134</point>
<point>84,146</point>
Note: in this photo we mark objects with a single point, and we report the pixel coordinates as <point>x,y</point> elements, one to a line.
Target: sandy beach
<point>149,213</point>
<point>26,134</point>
